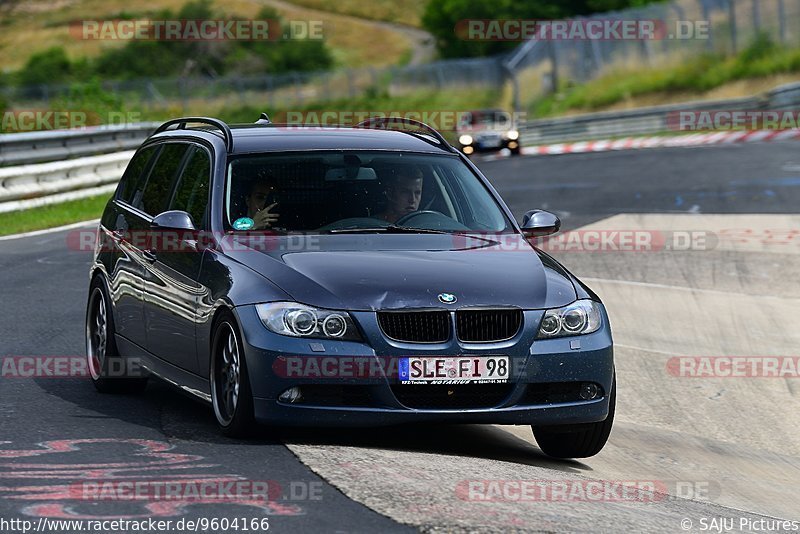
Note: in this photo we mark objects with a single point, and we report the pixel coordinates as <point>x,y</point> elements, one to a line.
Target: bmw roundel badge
<point>447,298</point>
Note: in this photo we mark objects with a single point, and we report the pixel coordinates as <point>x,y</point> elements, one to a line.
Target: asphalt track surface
<point>714,447</point>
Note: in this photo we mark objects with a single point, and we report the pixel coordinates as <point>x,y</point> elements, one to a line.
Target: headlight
<point>512,134</point>
<point>465,140</point>
<point>580,317</point>
<point>299,320</point>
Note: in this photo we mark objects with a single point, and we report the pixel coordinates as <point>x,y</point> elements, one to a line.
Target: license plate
<point>489,143</point>
<point>453,369</point>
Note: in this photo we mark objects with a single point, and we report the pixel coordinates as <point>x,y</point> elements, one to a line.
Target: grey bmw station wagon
<point>342,276</point>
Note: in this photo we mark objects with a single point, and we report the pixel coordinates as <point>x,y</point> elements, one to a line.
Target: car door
<point>171,290</point>
<point>126,270</point>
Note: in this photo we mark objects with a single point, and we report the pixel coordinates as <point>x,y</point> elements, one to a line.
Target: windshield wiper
<point>390,229</point>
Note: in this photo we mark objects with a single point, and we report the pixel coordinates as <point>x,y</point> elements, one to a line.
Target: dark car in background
<point>488,130</point>
<point>342,276</point>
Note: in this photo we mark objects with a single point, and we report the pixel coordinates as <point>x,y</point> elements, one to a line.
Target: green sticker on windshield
<point>243,223</point>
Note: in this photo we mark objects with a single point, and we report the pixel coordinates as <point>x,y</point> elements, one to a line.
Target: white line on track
<point>49,230</point>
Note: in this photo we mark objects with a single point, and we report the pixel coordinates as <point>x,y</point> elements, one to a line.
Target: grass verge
<point>53,215</point>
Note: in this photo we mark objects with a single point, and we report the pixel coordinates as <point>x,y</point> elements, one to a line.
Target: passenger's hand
<point>264,218</point>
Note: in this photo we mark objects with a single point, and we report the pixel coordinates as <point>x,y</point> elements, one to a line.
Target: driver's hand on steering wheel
<point>264,218</point>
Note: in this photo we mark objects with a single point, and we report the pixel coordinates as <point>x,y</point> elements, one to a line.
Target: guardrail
<point>38,147</point>
<point>647,121</point>
<point>47,181</point>
<point>28,181</point>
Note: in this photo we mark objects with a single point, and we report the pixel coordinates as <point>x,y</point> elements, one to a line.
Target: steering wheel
<point>405,218</point>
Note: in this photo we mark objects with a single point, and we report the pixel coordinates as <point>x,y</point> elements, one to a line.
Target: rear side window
<point>132,182</point>
<point>191,194</point>
<point>159,184</point>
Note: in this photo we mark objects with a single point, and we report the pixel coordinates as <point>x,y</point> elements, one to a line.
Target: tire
<point>577,441</point>
<point>516,151</point>
<point>231,396</point>
<point>109,371</point>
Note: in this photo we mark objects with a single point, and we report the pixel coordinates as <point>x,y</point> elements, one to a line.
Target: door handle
<point>149,255</point>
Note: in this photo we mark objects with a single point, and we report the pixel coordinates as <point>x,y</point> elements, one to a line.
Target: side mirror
<point>173,220</point>
<point>540,223</point>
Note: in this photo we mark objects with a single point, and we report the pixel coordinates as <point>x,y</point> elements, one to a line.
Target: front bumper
<point>478,147</point>
<point>546,376</point>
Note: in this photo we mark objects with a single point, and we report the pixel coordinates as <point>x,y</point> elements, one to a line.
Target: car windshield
<point>488,118</point>
<point>358,191</point>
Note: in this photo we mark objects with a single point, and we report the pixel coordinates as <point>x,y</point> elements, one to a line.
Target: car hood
<point>378,271</point>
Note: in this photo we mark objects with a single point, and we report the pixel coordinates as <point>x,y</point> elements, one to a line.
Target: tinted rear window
<point>159,184</point>
<point>132,182</point>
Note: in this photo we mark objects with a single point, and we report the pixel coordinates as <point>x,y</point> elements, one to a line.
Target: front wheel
<point>230,384</point>
<point>577,441</point>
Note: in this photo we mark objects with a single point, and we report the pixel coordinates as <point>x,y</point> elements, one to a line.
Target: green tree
<point>50,66</point>
<point>211,58</point>
<point>286,56</point>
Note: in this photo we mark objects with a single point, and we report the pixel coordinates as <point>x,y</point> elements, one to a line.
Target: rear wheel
<point>230,384</point>
<point>109,370</point>
<point>577,441</point>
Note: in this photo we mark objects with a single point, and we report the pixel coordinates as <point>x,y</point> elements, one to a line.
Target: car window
<point>191,193</point>
<point>334,190</point>
<point>159,183</point>
<point>132,183</point>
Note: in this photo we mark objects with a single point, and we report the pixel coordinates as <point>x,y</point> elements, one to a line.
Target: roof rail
<point>183,121</point>
<point>375,121</point>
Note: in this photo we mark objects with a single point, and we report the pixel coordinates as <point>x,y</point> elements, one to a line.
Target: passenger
<point>403,193</point>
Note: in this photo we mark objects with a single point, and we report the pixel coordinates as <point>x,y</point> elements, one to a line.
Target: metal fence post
<point>598,54</point>
<point>440,78</point>
<point>554,65</point>
<point>707,17</point>
<point>732,22</point>
<point>184,95</point>
<point>782,21</point>
<point>351,90</point>
<point>756,16</point>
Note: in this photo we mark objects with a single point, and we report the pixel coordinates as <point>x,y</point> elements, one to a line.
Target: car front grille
<point>416,326</point>
<point>483,326</point>
<point>447,396</point>
<point>472,326</point>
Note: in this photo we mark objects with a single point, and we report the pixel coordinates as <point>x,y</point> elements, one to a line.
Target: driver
<point>403,193</point>
<point>257,208</point>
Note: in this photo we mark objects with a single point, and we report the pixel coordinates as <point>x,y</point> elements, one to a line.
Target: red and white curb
<point>633,143</point>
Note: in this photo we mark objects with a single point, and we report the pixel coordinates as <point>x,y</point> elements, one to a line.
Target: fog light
<point>468,150</point>
<point>589,391</point>
<point>291,395</point>
<point>513,144</point>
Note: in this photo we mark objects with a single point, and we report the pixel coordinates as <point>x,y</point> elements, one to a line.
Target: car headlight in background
<point>299,320</point>
<point>465,140</point>
<point>512,134</point>
<point>580,317</point>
